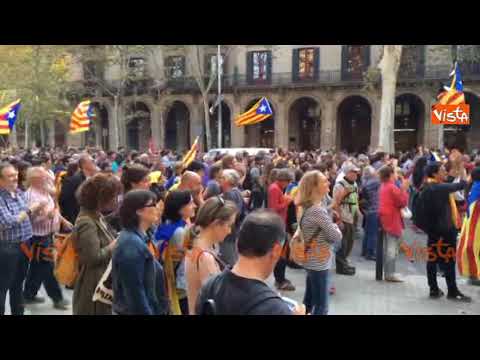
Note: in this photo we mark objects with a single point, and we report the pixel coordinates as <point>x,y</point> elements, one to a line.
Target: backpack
<point>66,263</point>
<point>211,289</point>
<point>419,210</point>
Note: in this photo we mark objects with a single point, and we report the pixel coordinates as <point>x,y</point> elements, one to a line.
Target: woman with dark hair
<point>92,241</point>
<point>135,177</point>
<point>179,209</point>
<point>137,276</point>
<point>214,222</point>
<point>22,168</point>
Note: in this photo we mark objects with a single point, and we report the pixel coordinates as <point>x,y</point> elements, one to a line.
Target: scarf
<point>457,222</point>
<point>165,232</point>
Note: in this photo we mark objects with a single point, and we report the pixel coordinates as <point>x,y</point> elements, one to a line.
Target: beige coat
<point>90,242</point>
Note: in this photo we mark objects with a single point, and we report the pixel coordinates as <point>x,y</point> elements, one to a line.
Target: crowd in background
<point>203,238</point>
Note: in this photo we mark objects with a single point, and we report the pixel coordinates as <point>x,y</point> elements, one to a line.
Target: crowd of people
<point>203,237</point>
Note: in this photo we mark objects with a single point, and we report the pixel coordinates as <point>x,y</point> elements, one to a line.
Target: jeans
<point>446,264</point>
<point>41,271</point>
<point>392,245</point>
<point>317,292</point>
<point>13,268</point>
<point>371,233</point>
<point>281,266</point>
<point>344,252</point>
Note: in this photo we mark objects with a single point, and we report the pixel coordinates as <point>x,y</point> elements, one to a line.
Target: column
<point>375,122</point>
<point>156,124</point>
<point>328,126</point>
<point>238,133</point>
<point>433,137</point>
<point>281,126</point>
<point>196,124</point>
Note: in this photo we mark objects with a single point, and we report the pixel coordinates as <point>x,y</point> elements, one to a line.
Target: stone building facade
<point>318,96</point>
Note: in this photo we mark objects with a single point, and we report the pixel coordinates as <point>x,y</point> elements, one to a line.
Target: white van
<point>233,151</point>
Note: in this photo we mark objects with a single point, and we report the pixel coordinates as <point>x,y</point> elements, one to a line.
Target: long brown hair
<point>214,209</point>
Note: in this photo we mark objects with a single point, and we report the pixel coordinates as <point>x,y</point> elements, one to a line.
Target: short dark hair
<point>174,202</point>
<point>214,170</point>
<point>195,166</point>
<point>133,201</point>
<point>385,172</point>
<point>259,232</point>
<point>132,174</point>
<point>99,189</point>
<point>432,169</point>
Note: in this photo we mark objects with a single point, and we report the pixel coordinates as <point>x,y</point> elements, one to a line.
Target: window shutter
<point>344,62</point>
<point>183,65</point>
<point>366,56</point>
<point>295,63</point>
<point>316,63</point>
<point>250,67</point>
<point>421,60</point>
<point>269,66</point>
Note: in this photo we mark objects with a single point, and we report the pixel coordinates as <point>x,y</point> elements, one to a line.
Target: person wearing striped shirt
<point>45,224</point>
<point>320,233</point>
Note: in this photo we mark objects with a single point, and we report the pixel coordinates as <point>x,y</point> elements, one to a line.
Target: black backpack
<point>419,209</point>
<point>212,288</point>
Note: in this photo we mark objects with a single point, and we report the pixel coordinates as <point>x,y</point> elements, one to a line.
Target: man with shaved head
<point>192,182</point>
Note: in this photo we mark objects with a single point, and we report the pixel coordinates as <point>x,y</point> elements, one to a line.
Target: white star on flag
<point>263,108</point>
<point>11,114</point>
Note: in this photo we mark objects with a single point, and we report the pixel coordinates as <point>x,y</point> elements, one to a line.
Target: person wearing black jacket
<point>441,227</point>
<point>68,202</point>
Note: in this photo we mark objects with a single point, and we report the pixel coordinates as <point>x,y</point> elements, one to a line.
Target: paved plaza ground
<point>361,294</point>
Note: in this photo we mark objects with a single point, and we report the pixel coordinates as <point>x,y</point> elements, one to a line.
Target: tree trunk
<point>206,113</point>
<point>26,134</point>
<point>51,135</point>
<point>13,136</point>
<point>42,133</point>
<point>114,136</point>
<point>389,69</point>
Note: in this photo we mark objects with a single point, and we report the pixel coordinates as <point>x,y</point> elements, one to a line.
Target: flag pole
<point>219,109</point>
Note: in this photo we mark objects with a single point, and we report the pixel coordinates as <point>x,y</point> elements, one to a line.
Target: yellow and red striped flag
<point>468,249</point>
<point>258,113</point>
<point>191,154</point>
<point>8,116</point>
<point>80,120</point>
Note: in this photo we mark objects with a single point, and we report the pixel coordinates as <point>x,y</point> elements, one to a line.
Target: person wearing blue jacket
<point>137,276</point>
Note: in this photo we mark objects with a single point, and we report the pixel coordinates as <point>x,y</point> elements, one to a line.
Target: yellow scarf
<point>457,222</point>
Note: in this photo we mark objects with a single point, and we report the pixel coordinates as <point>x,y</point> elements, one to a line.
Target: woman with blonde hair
<point>319,233</point>
<point>214,222</point>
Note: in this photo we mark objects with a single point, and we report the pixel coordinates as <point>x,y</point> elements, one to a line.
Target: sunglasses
<point>150,205</point>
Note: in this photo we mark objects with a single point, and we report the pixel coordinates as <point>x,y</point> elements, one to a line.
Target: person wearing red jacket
<point>278,202</point>
<point>391,201</point>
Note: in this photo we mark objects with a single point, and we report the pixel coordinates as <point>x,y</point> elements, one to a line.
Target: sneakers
<point>346,271</point>
<point>436,293</point>
<point>34,300</point>
<point>61,305</point>
<point>458,296</point>
<point>285,286</point>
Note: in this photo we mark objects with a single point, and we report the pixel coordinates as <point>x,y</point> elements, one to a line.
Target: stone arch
<point>409,121</point>
<point>177,125</point>
<point>304,123</point>
<point>138,118</point>
<point>354,113</point>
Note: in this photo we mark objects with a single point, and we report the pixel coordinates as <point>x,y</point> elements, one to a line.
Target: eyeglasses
<point>150,205</point>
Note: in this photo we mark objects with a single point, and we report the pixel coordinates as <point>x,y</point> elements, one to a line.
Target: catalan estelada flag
<point>80,120</point>
<point>191,154</point>
<point>259,112</point>
<point>468,248</point>
<point>453,95</point>
<point>8,116</point>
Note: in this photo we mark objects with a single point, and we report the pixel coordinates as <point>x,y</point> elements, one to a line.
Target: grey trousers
<point>392,246</point>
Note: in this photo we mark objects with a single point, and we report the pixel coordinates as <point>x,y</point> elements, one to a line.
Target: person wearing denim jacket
<point>137,276</point>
